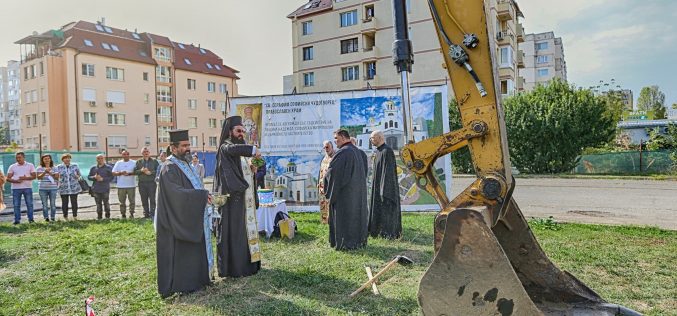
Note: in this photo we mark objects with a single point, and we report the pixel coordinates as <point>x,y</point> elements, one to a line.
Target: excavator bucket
<point>502,271</point>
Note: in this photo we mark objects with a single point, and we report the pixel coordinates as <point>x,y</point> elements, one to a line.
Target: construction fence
<point>626,162</point>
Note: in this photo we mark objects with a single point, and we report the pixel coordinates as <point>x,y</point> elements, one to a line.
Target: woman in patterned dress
<point>324,203</point>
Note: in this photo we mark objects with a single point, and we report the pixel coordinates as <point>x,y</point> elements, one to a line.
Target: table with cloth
<point>265,215</point>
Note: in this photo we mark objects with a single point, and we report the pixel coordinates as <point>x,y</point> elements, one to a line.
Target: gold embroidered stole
<point>250,203</point>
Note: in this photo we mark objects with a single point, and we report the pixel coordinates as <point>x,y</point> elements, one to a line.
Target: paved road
<point>603,201</point>
<point>640,202</point>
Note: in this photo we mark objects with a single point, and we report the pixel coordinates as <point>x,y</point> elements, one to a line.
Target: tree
<point>549,127</point>
<point>4,136</point>
<point>652,99</point>
<point>674,106</point>
<point>460,159</point>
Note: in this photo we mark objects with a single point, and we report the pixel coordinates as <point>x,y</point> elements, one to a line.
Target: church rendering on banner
<point>292,186</point>
<point>392,127</point>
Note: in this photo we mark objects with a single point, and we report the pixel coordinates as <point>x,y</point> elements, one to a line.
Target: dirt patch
<point>593,213</point>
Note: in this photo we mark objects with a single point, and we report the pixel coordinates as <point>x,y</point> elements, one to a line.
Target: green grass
<point>49,269</point>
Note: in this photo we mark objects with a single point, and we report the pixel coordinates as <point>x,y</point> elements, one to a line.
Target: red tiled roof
<point>158,39</point>
<point>199,58</point>
<point>129,49</point>
<point>313,6</point>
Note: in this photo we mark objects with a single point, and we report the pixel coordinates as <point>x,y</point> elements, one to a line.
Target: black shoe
<point>16,223</point>
<point>99,217</point>
<point>46,219</point>
<point>107,215</point>
<point>31,221</point>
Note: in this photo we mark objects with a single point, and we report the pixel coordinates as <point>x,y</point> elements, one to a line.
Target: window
<point>371,70</point>
<point>28,121</point>
<point>105,46</point>
<point>350,73</point>
<point>308,53</point>
<point>223,108</point>
<point>187,61</point>
<point>163,134</point>
<point>542,59</point>
<point>192,122</point>
<point>147,141</point>
<point>99,27</point>
<point>42,68</point>
<point>309,79</point>
<point>88,70</point>
<point>507,87</point>
<point>192,104</point>
<point>211,86</point>
<point>223,88</point>
<point>217,67</point>
<point>34,95</point>
<point>368,12</point>
<point>542,45</point>
<point>32,68</point>
<point>117,141</point>
<point>116,97</point>
<point>91,141</point>
<point>181,46</point>
<point>88,43</point>
<point>145,76</point>
<point>348,18</point>
<point>90,118</point>
<point>192,85</point>
<point>164,114</point>
<point>349,46</point>
<point>543,72</point>
<point>307,28</point>
<point>146,118</point>
<point>163,73</point>
<point>89,95</point>
<point>115,73</point>
<point>164,94</point>
<point>114,47</point>
<point>212,123</point>
<point>26,73</point>
<point>108,29</point>
<point>211,104</point>
<point>163,54</point>
<point>212,141</point>
<point>203,51</point>
<point>193,141</point>
<point>146,98</point>
<point>116,119</point>
<point>506,56</point>
<point>209,65</point>
<point>136,36</point>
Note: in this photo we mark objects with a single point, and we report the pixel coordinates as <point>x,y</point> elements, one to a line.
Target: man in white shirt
<point>21,175</point>
<point>126,183</point>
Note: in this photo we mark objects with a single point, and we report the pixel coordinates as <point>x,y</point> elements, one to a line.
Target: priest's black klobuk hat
<point>233,121</point>
<point>178,135</point>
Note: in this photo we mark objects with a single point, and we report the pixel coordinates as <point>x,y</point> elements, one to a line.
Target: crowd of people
<point>65,179</point>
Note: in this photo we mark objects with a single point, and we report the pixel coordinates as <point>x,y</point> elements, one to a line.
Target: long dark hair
<point>42,161</point>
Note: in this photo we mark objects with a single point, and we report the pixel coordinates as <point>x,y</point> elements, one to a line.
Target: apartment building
<point>544,59</point>
<point>508,32</point>
<point>91,87</point>
<point>347,45</point>
<point>10,101</point>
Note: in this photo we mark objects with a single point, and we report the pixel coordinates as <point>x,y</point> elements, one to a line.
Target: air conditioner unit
<point>109,104</point>
<point>92,103</point>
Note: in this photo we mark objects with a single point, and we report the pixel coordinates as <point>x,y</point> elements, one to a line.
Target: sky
<point>631,41</point>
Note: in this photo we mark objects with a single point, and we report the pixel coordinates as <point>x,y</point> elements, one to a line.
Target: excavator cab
<point>487,261</point>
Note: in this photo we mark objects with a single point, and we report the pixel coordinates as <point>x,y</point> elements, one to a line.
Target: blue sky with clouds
<point>631,41</point>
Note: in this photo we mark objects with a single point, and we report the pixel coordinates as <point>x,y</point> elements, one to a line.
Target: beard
<point>186,156</point>
<point>237,140</point>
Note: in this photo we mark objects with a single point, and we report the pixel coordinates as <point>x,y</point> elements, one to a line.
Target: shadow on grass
<point>284,292</point>
<point>6,257</point>
<point>13,229</point>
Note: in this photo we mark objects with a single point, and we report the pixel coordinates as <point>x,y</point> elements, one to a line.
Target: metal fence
<point>626,162</point>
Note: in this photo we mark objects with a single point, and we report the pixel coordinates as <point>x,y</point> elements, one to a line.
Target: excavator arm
<point>487,261</point>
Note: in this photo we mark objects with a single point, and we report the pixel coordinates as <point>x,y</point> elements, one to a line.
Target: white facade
<point>10,101</point>
<point>543,59</point>
<point>292,186</point>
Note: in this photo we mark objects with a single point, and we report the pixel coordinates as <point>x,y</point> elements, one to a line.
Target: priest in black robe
<point>385,219</point>
<point>233,250</point>
<point>345,186</point>
<point>182,264</point>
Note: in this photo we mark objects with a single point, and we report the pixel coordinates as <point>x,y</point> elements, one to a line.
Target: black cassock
<point>233,258</point>
<point>345,186</point>
<point>181,252</point>
<point>385,219</point>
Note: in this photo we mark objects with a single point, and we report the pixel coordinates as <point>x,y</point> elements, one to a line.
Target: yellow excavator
<point>487,261</point>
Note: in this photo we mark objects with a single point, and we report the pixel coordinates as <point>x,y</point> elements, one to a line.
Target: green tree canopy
<point>651,98</point>
<point>549,127</point>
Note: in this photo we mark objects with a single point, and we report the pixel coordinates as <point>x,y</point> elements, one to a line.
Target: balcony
<point>506,73</point>
<point>520,59</point>
<point>520,33</point>
<point>368,25</point>
<point>504,37</point>
<point>505,10</point>
<point>520,84</point>
<point>369,53</point>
